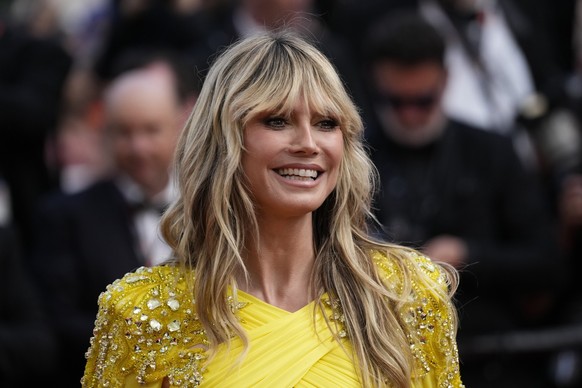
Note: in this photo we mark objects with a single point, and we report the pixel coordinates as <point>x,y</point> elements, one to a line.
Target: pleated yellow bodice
<point>286,350</point>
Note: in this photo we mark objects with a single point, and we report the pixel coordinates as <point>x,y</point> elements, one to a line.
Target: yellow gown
<point>147,330</point>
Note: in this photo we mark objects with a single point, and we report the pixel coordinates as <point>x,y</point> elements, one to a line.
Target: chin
<point>414,135</point>
<point>294,209</point>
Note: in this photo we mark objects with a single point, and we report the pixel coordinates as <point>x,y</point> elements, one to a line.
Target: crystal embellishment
<point>174,326</point>
<point>153,304</point>
<point>173,304</point>
<point>154,324</point>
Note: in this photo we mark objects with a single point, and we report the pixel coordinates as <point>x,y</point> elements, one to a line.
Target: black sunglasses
<point>421,101</point>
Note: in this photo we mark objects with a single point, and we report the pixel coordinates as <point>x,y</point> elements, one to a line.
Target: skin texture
<point>281,265</point>
<point>143,121</point>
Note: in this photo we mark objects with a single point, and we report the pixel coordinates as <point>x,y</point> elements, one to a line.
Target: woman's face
<point>291,162</point>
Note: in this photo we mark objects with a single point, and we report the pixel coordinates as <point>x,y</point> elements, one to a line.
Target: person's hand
<point>447,249</point>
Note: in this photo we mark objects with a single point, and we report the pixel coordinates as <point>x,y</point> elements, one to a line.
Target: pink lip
<point>301,166</point>
<point>304,184</point>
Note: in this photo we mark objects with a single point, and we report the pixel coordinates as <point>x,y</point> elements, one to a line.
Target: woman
<point>276,282</point>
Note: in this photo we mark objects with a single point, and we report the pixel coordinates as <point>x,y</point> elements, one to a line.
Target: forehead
<point>140,100</point>
<point>140,87</point>
<point>408,78</point>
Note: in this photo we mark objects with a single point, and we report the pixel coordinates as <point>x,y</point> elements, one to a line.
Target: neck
<point>280,263</point>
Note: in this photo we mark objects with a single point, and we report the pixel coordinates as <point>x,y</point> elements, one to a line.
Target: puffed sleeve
<point>109,346</point>
<point>430,320</point>
<point>146,330</point>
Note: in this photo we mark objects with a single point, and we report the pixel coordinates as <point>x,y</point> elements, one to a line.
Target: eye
<point>328,124</point>
<point>275,122</point>
<point>152,129</point>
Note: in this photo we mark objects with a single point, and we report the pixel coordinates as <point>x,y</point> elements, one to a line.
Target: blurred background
<point>472,112</point>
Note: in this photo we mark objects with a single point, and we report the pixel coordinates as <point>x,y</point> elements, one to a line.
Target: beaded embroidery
<point>147,328</point>
<point>429,321</point>
<point>159,334</point>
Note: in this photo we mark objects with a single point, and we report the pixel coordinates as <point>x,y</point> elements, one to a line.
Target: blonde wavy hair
<point>210,223</point>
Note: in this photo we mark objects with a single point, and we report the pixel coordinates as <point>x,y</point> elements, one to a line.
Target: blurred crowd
<point>472,112</point>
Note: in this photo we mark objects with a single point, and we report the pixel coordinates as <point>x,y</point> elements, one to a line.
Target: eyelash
<point>279,122</point>
<point>328,124</point>
<point>270,122</point>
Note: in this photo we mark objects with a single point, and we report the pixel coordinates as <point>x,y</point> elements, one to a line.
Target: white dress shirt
<point>489,92</point>
<point>150,243</point>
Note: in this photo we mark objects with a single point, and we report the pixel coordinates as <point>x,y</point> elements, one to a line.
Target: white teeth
<point>297,172</point>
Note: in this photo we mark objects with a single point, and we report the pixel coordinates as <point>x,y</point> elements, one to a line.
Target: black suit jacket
<point>82,243</point>
<point>471,184</point>
<point>23,325</point>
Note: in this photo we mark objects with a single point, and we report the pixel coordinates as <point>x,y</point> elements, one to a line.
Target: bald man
<point>86,240</point>
<point>143,118</point>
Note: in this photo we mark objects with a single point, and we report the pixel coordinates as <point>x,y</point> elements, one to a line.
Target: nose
<point>138,144</point>
<point>304,141</point>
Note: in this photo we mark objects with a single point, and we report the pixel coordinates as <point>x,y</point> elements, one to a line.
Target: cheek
<point>335,154</point>
<point>249,166</point>
<point>336,150</point>
<point>340,152</point>
<point>259,151</point>
<point>165,148</point>
<point>337,169</point>
<point>121,149</point>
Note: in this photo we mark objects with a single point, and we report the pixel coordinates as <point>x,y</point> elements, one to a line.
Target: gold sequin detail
<point>147,328</point>
<point>337,316</point>
<point>156,337</point>
<point>430,329</point>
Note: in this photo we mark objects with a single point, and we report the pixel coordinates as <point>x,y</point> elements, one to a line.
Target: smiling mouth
<point>298,174</point>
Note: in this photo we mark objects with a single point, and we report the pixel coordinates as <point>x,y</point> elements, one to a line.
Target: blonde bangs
<point>285,76</point>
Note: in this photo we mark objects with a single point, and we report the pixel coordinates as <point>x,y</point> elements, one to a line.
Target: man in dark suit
<point>85,241</point>
<point>461,195</point>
